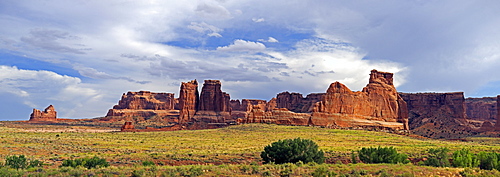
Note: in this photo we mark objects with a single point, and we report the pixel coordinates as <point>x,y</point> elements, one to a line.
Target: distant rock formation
<point>481,109</point>
<point>296,102</point>
<point>497,125</point>
<point>136,106</point>
<point>214,105</point>
<point>49,114</point>
<point>188,101</point>
<point>437,115</point>
<point>378,106</point>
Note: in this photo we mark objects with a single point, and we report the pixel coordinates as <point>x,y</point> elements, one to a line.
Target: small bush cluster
<point>21,162</point>
<point>94,162</point>
<point>292,151</point>
<point>382,155</point>
<point>463,158</point>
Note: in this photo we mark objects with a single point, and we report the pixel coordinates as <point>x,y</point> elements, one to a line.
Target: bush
<point>89,163</point>
<point>148,163</point>
<point>463,158</point>
<point>20,162</point>
<point>382,155</point>
<point>438,157</point>
<point>292,151</point>
<point>489,160</point>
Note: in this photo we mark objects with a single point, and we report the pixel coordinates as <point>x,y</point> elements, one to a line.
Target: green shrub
<point>292,151</point>
<point>148,163</point>
<point>382,155</point>
<point>94,162</point>
<point>20,162</point>
<point>463,158</point>
<point>438,157</point>
<point>489,160</point>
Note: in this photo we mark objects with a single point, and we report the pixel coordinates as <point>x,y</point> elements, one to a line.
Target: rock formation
<point>128,126</point>
<point>214,104</point>
<point>296,102</point>
<point>481,109</point>
<point>497,125</point>
<point>188,100</point>
<point>437,115</point>
<point>378,102</point>
<point>135,106</point>
<point>378,106</point>
<point>146,100</point>
<point>49,114</point>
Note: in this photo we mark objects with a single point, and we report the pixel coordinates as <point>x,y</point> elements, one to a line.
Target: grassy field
<point>227,151</point>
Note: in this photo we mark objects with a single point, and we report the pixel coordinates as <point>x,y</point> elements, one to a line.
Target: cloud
<point>38,89</point>
<point>258,20</point>
<point>242,45</point>
<point>54,40</point>
<point>213,11</point>
<point>93,73</point>
<point>270,39</point>
<point>203,27</point>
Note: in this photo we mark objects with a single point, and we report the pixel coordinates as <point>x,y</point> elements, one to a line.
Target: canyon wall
<point>482,109</point>
<point>437,115</point>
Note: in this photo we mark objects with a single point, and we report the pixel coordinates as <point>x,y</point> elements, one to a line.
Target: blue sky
<point>80,56</point>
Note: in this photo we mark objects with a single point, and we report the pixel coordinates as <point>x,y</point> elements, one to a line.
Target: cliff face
<point>437,115</point>
<point>139,106</point>
<point>146,100</point>
<point>296,102</point>
<point>378,106</point>
<point>214,104</point>
<point>188,100</point>
<point>49,114</point>
<point>482,109</point>
<point>378,101</point>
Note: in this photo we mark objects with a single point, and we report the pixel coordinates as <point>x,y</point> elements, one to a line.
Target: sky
<point>82,55</point>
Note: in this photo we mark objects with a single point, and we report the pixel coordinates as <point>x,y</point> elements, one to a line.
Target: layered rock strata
<point>49,114</point>
<point>437,115</point>
<point>481,109</point>
<point>136,106</point>
<point>378,106</point>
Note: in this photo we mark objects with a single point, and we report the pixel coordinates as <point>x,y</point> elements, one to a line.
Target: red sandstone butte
<point>143,104</point>
<point>481,109</point>
<point>214,104</point>
<point>49,114</point>
<point>378,106</point>
<point>188,100</point>
<point>497,125</point>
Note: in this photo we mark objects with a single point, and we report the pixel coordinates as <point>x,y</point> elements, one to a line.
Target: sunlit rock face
<point>49,114</point>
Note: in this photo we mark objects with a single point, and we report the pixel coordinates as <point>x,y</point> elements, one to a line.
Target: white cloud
<point>258,20</point>
<point>270,39</point>
<point>38,89</point>
<point>213,11</point>
<point>203,27</point>
<point>242,45</point>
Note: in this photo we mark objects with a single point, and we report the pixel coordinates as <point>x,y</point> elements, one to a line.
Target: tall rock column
<point>188,100</point>
<point>212,98</point>
<point>214,104</point>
